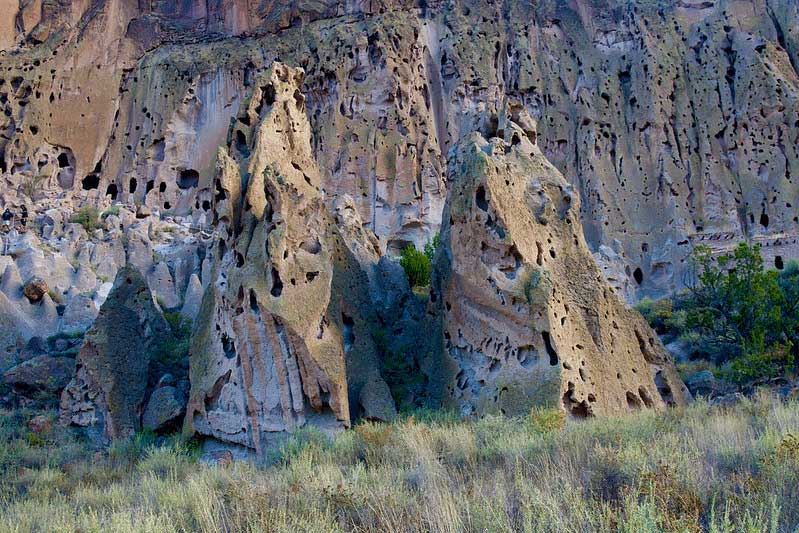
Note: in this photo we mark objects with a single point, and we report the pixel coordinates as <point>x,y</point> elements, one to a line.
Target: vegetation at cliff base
<point>736,315</point>
<point>698,468</point>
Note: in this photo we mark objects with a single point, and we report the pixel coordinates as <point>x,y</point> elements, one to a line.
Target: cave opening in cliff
<point>241,144</point>
<point>111,191</point>
<point>188,179</point>
<point>349,334</point>
<point>277,284</point>
<point>638,275</point>
<point>778,264</point>
<point>92,181</point>
<point>270,94</point>
<point>553,355</point>
<point>132,184</point>
<point>480,198</point>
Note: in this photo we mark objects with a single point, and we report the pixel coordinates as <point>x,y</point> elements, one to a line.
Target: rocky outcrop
<point>35,289</point>
<point>43,375</point>
<point>283,334</point>
<point>114,368</point>
<point>527,317</point>
<point>675,122</point>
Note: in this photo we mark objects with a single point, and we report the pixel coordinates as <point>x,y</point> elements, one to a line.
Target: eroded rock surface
<point>114,366</point>
<point>283,335</point>
<point>528,319</point>
<point>676,122</point>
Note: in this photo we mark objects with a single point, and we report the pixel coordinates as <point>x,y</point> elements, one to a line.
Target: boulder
<point>143,211</point>
<point>164,408</point>
<point>40,374</point>
<point>702,383</point>
<point>376,402</point>
<point>35,289</point>
<point>112,373</point>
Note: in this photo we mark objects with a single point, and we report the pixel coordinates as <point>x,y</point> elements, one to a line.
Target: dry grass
<point>696,469</point>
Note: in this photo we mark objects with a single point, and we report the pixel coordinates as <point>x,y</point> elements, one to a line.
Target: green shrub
<point>88,217</point>
<point>734,313</point>
<point>547,419</point>
<point>416,265</point>
<point>657,313</point>
<point>111,211</point>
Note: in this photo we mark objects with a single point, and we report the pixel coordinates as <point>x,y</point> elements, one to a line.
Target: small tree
<point>88,217</point>
<point>416,265</point>
<point>734,304</point>
<point>431,247</point>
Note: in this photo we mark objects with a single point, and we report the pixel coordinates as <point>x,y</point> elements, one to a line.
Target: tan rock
<point>283,331</point>
<point>528,319</point>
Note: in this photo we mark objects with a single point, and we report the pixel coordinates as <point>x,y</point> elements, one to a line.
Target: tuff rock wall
<point>283,336</point>
<point>527,318</point>
<point>675,121</point>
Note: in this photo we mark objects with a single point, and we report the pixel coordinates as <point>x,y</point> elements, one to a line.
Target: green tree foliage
<point>431,247</point>
<point>735,313</point>
<point>735,303</point>
<point>417,264</point>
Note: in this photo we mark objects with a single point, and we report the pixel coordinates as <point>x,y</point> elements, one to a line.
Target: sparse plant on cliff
<point>33,185</point>
<point>88,217</point>
<point>416,265</point>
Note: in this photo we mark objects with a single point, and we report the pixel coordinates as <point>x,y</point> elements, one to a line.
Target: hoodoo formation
<point>207,202</point>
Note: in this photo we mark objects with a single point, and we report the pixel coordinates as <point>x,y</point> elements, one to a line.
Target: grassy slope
<point>697,468</point>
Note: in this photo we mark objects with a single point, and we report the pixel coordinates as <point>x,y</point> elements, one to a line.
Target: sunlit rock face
<point>528,319</point>
<point>284,330</point>
<point>675,122</point>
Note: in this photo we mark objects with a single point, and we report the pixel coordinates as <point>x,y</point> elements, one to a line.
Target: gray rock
<point>162,284</point>
<point>164,408</point>
<point>113,367</point>
<point>193,299</point>
<point>35,347</point>
<point>702,383</point>
<point>727,400</point>
<point>376,401</point>
<point>79,314</point>
<point>42,373</point>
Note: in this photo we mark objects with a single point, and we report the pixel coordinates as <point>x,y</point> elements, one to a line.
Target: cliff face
<point>304,143</point>
<point>675,122</point>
